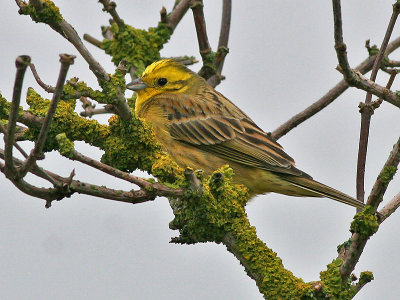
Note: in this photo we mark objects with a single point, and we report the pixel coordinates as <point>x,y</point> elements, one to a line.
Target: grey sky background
<point>281,60</point>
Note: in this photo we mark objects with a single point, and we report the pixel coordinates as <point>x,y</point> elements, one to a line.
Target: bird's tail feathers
<point>322,190</point>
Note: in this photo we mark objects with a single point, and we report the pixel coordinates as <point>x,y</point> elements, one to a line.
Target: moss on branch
<point>139,47</point>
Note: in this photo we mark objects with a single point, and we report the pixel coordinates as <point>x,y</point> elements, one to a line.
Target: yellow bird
<point>202,129</point>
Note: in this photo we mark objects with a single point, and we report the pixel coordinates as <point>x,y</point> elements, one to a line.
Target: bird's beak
<point>136,85</point>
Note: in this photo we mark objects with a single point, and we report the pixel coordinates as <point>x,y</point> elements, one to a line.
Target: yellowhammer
<point>202,129</point>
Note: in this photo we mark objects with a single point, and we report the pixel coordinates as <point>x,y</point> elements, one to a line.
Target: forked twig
<point>367,111</point>
<point>66,61</point>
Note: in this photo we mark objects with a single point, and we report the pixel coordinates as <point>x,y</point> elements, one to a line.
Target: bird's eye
<point>162,81</point>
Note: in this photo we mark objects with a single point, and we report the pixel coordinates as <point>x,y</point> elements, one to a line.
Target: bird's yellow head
<point>164,76</point>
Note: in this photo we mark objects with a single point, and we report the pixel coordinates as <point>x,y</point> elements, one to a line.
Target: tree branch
<point>67,31</point>
<point>354,78</point>
<point>109,6</point>
<point>177,13</point>
<point>223,50</point>
<point>389,208</point>
<point>367,110</point>
<point>47,88</point>
<point>21,63</point>
<point>200,23</point>
<point>66,61</point>
<point>358,241</point>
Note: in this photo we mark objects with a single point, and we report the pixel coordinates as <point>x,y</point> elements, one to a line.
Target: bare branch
<point>47,88</point>
<point>223,50</point>
<point>223,35</point>
<point>389,208</point>
<point>366,111</point>
<point>200,23</point>
<point>355,78</point>
<point>66,60</point>
<point>358,241</point>
<point>177,13</point>
<point>21,63</point>
<point>385,176</point>
<point>109,6</point>
<point>323,102</point>
<point>92,40</point>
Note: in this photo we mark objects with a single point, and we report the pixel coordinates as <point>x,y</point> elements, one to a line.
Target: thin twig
<point>340,46</point>
<point>66,61</point>
<point>109,6</point>
<point>92,40</point>
<point>223,35</point>
<point>330,96</point>
<point>321,103</point>
<point>21,63</point>
<point>354,78</point>
<point>47,88</point>
<point>223,50</point>
<point>121,105</point>
<point>68,32</point>
<point>367,111</point>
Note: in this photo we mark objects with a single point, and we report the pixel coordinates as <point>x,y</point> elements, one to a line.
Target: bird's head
<point>164,76</point>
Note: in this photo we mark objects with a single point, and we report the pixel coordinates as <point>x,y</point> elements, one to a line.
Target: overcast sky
<point>281,60</point>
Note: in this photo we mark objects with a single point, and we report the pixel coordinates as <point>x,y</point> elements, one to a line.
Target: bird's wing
<point>215,125</point>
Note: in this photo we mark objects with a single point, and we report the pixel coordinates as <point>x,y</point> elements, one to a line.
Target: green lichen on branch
<point>65,120</point>
<point>372,50</point>
<point>44,11</point>
<point>168,171</point>
<point>5,108</point>
<point>332,282</point>
<point>110,89</point>
<point>139,47</point>
<point>365,223</point>
<point>65,146</point>
<point>208,68</point>
<point>218,215</point>
<point>365,277</point>
<point>128,145</point>
<point>387,174</point>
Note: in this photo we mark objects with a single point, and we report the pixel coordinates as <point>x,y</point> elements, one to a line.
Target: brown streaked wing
<point>227,133</point>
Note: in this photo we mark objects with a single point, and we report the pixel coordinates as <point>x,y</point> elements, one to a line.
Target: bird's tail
<point>316,189</point>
